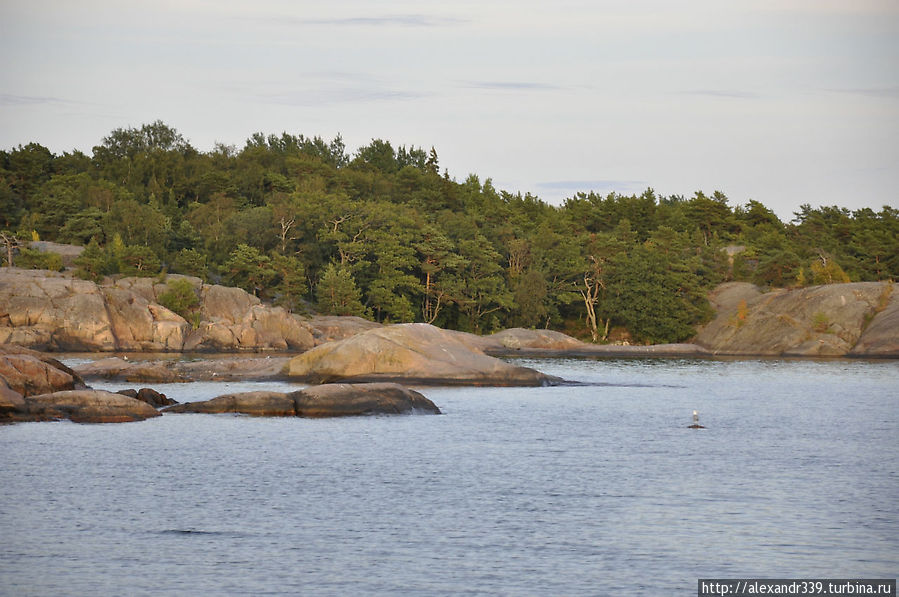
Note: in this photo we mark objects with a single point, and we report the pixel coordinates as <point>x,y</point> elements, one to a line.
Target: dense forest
<point>382,233</point>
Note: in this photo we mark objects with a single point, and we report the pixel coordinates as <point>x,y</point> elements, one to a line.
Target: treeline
<point>382,233</point>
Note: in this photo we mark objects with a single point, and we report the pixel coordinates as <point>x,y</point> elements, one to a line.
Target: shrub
<point>34,259</point>
<point>820,322</point>
<point>181,299</point>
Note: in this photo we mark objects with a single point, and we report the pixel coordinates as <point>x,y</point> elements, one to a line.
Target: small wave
<point>190,532</point>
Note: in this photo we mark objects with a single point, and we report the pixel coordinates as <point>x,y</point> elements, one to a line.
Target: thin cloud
<point>7,99</point>
<point>724,93</point>
<point>513,85</point>
<point>325,88</point>
<point>410,20</point>
<point>323,97</point>
<point>887,92</point>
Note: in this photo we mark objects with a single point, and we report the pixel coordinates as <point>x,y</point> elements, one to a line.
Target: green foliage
<point>530,292</point>
<point>820,322</point>
<point>56,201</point>
<point>654,298</point>
<point>290,286</point>
<point>190,262</point>
<point>337,293</point>
<point>777,268</point>
<point>249,269</point>
<point>136,224</point>
<point>94,262</point>
<point>826,270</point>
<point>385,235</point>
<point>138,260</point>
<point>179,297</point>
<point>34,259</point>
<point>82,227</point>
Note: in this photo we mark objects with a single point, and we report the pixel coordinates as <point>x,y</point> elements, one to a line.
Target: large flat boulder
<point>232,369</point>
<point>408,353</point>
<point>343,400</point>
<point>332,400</point>
<point>87,406</point>
<point>117,368</point>
<point>815,321</point>
<point>170,370</point>
<point>257,404</point>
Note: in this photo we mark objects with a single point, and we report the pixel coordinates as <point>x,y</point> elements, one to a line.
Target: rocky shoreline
<point>363,360</point>
<point>34,387</point>
<point>858,320</point>
<point>49,311</point>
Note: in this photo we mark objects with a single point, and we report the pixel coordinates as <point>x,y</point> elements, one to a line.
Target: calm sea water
<point>591,490</point>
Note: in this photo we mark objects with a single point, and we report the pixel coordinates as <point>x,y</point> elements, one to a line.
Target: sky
<point>786,102</point>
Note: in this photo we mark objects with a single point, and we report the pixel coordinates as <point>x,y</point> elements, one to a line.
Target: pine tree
<point>337,293</point>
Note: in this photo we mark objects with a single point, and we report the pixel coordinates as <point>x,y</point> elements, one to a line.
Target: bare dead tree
<point>11,242</point>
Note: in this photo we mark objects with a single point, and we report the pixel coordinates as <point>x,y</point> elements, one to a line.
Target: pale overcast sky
<point>782,101</point>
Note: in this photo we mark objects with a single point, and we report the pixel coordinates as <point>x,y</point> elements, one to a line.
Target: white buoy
<point>696,424</point>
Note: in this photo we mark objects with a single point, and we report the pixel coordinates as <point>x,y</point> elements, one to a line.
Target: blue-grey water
<point>590,490</point>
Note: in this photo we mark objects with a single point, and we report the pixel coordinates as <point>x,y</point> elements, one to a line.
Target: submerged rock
<point>150,396</point>
<point>332,400</point>
<point>411,353</point>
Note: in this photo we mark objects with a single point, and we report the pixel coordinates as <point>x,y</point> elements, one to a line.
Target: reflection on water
<point>564,490</point>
